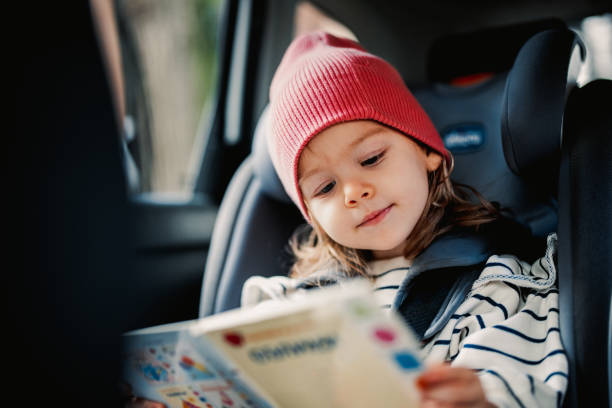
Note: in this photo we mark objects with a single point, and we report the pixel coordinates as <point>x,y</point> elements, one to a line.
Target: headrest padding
<point>262,164</point>
<point>491,50</point>
<point>534,102</point>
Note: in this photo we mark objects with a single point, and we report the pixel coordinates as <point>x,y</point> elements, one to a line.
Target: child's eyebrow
<point>369,133</point>
<point>374,130</point>
<point>309,173</point>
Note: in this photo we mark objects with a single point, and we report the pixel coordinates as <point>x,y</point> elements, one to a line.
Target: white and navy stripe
<point>387,275</point>
<point>507,329</point>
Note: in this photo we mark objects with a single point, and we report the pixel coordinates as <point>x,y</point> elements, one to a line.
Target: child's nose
<point>355,192</point>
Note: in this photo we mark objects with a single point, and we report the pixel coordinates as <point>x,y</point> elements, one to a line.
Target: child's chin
<point>388,251</point>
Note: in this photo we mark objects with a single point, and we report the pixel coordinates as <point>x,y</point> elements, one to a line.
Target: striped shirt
<point>387,276</point>
<point>506,329</point>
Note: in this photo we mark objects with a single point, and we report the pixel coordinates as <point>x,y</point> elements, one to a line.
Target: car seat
<point>468,117</point>
<point>514,122</point>
<point>585,244</point>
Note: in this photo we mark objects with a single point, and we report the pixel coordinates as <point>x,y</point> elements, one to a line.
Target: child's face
<point>366,185</point>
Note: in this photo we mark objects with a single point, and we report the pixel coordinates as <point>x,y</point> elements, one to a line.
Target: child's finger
<point>430,403</point>
<point>445,384</point>
<point>455,393</point>
<point>443,373</point>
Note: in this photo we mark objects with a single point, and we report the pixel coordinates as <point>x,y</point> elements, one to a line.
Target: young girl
<point>366,167</point>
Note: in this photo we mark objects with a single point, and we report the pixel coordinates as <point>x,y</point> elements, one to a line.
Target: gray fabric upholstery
<point>255,221</point>
<point>520,113</point>
<point>534,101</point>
<point>262,165</point>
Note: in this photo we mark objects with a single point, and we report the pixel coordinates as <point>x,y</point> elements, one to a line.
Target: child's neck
<point>387,254</point>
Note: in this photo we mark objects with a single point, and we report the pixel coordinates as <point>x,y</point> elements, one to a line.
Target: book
<point>332,347</point>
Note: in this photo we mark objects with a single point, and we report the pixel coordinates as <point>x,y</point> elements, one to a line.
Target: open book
<point>333,347</point>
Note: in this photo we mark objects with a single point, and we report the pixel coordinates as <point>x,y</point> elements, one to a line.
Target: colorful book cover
<point>158,366</point>
<point>377,360</point>
<point>334,347</point>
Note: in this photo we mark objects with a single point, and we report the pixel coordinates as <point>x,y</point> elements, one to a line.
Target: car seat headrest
<point>262,164</point>
<point>492,50</point>
<point>537,86</point>
<point>469,116</point>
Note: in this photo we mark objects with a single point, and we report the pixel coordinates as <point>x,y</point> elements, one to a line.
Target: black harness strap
<point>430,294</point>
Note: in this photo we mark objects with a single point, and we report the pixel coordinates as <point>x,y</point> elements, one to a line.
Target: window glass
<point>596,32</point>
<point>170,66</point>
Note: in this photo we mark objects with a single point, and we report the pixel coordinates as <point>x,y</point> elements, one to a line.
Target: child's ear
<point>433,161</point>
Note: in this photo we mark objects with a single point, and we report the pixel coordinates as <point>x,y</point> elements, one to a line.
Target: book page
<point>321,351</point>
<point>160,367</point>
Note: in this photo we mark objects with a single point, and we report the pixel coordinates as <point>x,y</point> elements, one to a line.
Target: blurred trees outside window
<point>170,64</point>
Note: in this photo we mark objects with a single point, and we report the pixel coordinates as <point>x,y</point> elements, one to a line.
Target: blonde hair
<point>448,205</point>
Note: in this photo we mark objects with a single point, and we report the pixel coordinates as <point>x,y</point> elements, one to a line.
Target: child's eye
<point>372,160</point>
<point>328,187</point>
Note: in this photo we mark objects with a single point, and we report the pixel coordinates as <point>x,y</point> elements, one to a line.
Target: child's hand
<point>444,386</point>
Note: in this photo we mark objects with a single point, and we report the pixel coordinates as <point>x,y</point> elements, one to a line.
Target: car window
<point>170,66</point>
<point>596,32</point>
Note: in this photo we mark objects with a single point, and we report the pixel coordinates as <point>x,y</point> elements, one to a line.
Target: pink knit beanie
<point>323,80</point>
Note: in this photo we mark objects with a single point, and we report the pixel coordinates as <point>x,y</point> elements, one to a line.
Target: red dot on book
<point>234,339</point>
<point>187,360</point>
<point>384,335</point>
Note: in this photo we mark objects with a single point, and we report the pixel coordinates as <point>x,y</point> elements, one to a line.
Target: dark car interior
<point>503,82</point>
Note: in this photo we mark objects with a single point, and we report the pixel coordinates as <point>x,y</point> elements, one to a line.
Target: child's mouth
<point>375,217</point>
